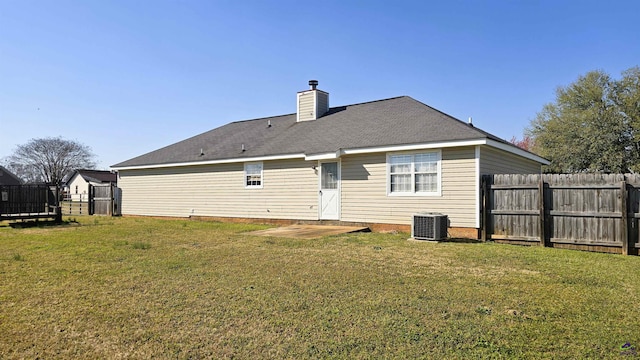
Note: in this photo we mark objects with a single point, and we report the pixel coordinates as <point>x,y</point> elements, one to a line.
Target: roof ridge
<point>471,126</point>
<point>331,107</point>
<point>373,101</point>
<point>479,130</point>
<point>262,118</point>
<point>98,170</point>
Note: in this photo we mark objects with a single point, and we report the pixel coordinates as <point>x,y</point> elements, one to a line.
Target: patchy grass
<point>141,245</point>
<point>18,257</point>
<point>148,288</point>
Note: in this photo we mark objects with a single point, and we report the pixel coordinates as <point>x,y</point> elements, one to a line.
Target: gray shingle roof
<point>8,178</point>
<point>395,121</point>
<point>97,176</point>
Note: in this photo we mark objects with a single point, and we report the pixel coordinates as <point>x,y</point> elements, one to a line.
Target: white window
<point>253,175</point>
<point>414,173</point>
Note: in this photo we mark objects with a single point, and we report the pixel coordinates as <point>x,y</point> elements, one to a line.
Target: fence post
<point>112,193</point>
<point>91,204</point>
<point>111,201</point>
<point>543,235</point>
<point>624,211</point>
<point>486,188</point>
<point>58,207</point>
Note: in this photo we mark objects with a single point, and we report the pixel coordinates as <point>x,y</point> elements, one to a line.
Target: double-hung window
<point>253,175</point>
<point>414,173</point>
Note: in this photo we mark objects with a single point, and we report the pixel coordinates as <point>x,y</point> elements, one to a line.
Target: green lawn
<point>146,288</point>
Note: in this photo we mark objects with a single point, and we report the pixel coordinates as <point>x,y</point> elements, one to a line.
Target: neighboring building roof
<point>383,123</point>
<point>96,176</point>
<point>8,178</point>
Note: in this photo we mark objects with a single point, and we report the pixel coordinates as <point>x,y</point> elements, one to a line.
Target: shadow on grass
<point>26,224</point>
<point>451,240</point>
<point>463,241</point>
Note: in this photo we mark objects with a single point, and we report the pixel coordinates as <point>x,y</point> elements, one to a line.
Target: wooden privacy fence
<point>594,212</point>
<point>101,200</point>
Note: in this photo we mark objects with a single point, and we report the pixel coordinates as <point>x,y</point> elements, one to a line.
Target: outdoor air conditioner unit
<point>429,226</point>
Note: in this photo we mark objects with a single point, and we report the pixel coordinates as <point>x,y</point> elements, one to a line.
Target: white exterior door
<point>329,194</point>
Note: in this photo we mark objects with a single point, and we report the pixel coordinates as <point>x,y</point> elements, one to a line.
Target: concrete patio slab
<point>308,231</point>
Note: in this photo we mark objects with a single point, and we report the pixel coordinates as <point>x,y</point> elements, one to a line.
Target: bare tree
<point>49,159</point>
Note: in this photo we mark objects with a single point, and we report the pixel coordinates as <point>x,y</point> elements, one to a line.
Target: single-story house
<point>376,162</point>
<point>8,178</point>
<point>77,187</point>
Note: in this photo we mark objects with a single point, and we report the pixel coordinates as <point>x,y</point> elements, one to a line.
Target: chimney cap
<point>313,84</point>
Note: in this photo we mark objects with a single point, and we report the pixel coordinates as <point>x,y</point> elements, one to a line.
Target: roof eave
<point>208,162</point>
<point>337,154</point>
<point>517,151</point>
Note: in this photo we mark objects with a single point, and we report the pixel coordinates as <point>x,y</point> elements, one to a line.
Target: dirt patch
<point>308,231</point>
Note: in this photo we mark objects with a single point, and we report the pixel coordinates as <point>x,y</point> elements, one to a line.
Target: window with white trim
<point>414,174</point>
<point>253,175</point>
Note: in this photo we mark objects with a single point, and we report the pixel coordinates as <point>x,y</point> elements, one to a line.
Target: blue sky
<point>129,77</point>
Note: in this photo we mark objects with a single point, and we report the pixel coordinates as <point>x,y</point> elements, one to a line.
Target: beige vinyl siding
<point>290,191</point>
<point>365,199</point>
<point>306,106</point>
<point>323,103</point>
<point>495,161</point>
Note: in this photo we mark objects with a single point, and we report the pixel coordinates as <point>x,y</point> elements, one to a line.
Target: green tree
<point>627,93</point>
<point>593,126</point>
<point>49,159</point>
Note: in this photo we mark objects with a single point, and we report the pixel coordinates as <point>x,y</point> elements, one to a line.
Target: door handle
<point>320,192</point>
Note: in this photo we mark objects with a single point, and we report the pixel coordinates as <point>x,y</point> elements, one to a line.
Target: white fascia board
<point>516,150</point>
<point>211,162</point>
<point>335,155</point>
<point>326,156</point>
<point>298,107</point>
<point>478,190</point>
<point>474,142</point>
<point>415,147</point>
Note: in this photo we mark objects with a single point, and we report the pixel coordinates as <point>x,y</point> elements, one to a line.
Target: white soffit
<point>211,162</point>
<point>516,150</point>
<point>335,155</point>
